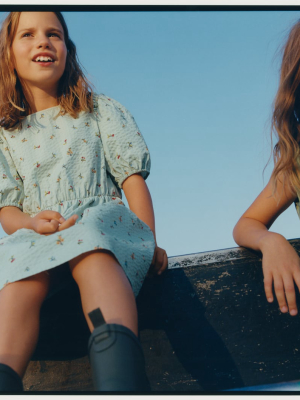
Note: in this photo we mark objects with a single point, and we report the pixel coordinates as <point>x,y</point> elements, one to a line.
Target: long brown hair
<point>74,90</point>
<point>286,113</point>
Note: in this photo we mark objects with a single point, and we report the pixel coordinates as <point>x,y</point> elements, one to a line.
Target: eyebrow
<point>49,29</point>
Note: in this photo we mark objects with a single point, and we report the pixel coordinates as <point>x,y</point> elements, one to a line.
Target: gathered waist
<point>67,208</point>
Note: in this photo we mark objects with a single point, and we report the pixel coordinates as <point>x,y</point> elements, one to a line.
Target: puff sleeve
<point>11,185</point>
<point>125,150</point>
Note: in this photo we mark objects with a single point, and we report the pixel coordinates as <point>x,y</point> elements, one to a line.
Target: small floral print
<point>98,248</point>
<point>98,184</point>
<point>138,133</point>
<point>46,193</point>
<point>58,179</point>
<point>16,188</point>
<point>53,155</point>
<point>17,178</point>
<point>126,265</point>
<point>60,240</point>
<point>102,233</point>
<point>110,136</point>
<point>115,223</point>
<point>96,153</point>
<point>52,136</point>
<point>12,136</point>
<point>32,243</point>
<point>51,258</point>
<point>24,140</point>
<point>83,159</point>
<point>79,203</point>
<point>37,147</point>
<point>93,170</point>
<point>98,134</point>
<point>80,241</point>
<point>71,188</point>
<point>80,176</point>
<point>129,144</point>
<point>65,141</point>
<point>69,152</point>
<point>42,116</point>
<point>120,218</point>
<point>133,223</point>
<point>4,176</point>
<point>12,259</point>
<point>37,164</point>
<point>84,141</point>
<point>35,185</point>
<point>87,124</point>
<point>22,159</point>
<point>27,269</point>
<point>56,127</point>
<point>74,127</point>
<point>48,175</point>
<point>6,149</point>
<point>1,192</point>
<point>28,126</point>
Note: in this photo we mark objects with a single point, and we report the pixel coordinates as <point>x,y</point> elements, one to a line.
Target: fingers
<point>51,215</point>
<point>164,264</point>
<point>67,223</point>
<point>268,283</point>
<point>290,294</point>
<point>285,293</point>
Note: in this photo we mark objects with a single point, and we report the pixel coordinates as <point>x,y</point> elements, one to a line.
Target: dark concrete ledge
<point>205,325</point>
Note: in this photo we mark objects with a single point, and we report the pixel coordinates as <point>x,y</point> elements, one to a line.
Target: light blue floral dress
<point>74,166</point>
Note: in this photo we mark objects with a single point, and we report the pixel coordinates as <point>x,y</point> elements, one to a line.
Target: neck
<point>40,99</point>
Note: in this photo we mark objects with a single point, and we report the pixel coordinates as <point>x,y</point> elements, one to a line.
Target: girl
<point>65,154</point>
<point>281,264</point>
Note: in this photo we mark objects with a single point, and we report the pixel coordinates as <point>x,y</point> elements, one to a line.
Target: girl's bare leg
<point>103,284</point>
<point>20,304</point>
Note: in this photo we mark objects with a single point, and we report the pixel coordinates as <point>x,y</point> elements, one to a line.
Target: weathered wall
<point>205,325</point>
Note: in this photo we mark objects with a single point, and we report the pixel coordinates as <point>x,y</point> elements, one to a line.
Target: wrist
<point>268,240</point>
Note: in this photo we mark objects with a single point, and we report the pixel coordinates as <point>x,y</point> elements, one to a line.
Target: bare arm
<point>252,228</point>
<point>46,222</point>
<point>140,202</point>
<point>280,262</point>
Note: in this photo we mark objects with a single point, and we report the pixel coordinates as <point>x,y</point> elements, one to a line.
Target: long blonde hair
<point>285,115</point>
<point>74,90</point>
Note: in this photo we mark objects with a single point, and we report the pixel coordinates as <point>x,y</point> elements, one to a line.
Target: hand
<point>48,222</point>
<point>159,262</point>
<point>281,267</point>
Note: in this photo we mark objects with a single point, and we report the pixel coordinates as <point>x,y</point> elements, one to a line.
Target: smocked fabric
<point>74,166</point>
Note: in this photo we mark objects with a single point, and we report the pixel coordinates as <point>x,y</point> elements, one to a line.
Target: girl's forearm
<point>139,200</point>
<point>253,234</point>
<point>12,219</point>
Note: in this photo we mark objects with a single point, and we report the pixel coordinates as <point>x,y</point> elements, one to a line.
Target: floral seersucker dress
<point>74,166</point>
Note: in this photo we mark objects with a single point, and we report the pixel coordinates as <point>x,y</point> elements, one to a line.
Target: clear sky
<point>200,86</point>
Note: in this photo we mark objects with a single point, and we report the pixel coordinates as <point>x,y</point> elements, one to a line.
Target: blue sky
<point>200,86</point>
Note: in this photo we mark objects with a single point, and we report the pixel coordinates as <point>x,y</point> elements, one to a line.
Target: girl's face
<point>39,50</point>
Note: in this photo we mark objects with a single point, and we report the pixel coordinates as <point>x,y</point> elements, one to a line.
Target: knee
<point>85,266</point>
<point>30,291</point>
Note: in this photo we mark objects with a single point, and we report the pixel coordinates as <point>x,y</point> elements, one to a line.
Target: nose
<point>43,42</point>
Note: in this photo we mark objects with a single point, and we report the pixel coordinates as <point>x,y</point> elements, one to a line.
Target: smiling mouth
<point>43,59</point>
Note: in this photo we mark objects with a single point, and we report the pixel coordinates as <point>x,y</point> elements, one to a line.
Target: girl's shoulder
<point>108,104</point>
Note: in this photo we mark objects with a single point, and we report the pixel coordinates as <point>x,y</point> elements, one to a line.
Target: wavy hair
<point>286,110</point>
<point>74,90</point>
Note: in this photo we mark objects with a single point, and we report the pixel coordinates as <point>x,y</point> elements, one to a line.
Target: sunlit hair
<point>285,114</point>
<point>74,90</point>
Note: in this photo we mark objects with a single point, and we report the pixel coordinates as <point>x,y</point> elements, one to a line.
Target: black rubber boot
<point>116,357</point>
<point>10,381</point>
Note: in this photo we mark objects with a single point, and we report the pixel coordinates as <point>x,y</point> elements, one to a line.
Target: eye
<point>26,34</point>
<point>54,34</point>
